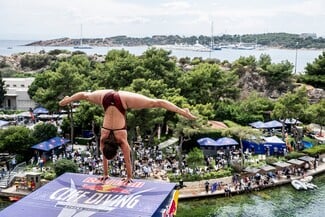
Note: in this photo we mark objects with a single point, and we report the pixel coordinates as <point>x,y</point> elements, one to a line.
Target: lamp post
<point>296,57</point>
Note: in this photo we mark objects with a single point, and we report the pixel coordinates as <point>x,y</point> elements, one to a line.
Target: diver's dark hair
<point>110,149</point>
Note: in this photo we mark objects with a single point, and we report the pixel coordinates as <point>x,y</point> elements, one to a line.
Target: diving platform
<point>81,195</point>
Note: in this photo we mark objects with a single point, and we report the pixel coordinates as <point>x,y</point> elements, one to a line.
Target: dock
<point>197,189</point>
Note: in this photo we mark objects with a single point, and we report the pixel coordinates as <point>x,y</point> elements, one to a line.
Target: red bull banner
<point>80,195</point>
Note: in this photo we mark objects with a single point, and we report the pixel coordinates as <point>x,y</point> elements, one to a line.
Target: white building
<point>17,97</point>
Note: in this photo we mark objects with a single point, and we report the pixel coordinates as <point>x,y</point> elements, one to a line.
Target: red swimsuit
<point>113,99</point>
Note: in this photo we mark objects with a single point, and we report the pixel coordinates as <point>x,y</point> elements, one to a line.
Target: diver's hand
<point>127,180</point>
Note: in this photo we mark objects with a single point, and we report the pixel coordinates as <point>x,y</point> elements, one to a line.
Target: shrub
<point>49,175</point>
<point>271,160</point>
<point>196,177</point>
<point>236,166</point>
<point>64,165</point>
<point>34,61</point>
<point>294,155</point>
<point>313,151</point>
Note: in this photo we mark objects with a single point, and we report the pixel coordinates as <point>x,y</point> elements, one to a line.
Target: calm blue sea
<point>9,47</point>
<point>283,201</point>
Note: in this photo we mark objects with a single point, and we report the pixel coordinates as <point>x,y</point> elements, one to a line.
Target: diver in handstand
<point>113,132</point>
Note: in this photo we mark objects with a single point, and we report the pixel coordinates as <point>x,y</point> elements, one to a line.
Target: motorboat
<point>311,185</point>
<point>243,46</point>
<point>14,198</point>
<point>82,47</point>
<point>215,47</point>
<point>196,47</point>
<point>299,185</point>
<point>307,179</point>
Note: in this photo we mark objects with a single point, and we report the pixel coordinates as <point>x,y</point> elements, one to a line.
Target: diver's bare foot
<point>64,101</point>
<point>103,178</point>
<point>189,115</point>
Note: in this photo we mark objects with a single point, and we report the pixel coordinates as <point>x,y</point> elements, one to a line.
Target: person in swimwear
<point>113,131</point>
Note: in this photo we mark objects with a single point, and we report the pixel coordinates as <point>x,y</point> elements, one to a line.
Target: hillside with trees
<point>279,40</point>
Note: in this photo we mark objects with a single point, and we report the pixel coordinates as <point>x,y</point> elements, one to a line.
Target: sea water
<point>282,201</point>
<point>298,58</point>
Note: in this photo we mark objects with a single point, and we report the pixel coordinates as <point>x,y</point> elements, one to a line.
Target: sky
<point>50,19</point>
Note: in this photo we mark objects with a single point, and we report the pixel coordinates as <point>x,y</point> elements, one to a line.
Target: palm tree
<point>291,105</point>
<point>242,133</point>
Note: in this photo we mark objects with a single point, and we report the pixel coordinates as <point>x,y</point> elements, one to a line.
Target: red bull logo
<point>106,188</point>
<point>115,182</point>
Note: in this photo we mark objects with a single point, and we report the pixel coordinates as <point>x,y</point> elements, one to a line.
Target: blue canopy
<point>206,141</point>
<point>44,146</point>
<point>51,144</point>
<point>58,141</point>
<point>273,139</point>
<point>266,125</point>
<point>225,141</point>
<point>272,124</point>
<point>257,124</point>
<point>40,110</point>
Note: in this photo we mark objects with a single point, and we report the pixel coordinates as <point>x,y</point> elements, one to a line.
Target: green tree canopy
<point>279,72</point>
<point>44,131</point>
<point>195,158</point>
<point>315,72</point>
<point>264,61</point>
<point>250,109</point>
<point>316,113</point>
<point>207,83</point>
<point>17,140</point>
<point>118,71</point>
<point>291,105</point>
<point>51,86</point>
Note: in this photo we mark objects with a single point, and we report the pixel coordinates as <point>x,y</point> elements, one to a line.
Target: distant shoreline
<point>266,47</point>
<point>270,40</point>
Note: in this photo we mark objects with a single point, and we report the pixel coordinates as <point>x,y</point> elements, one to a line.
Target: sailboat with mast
<point>213,46</point>
<point>81,45</point>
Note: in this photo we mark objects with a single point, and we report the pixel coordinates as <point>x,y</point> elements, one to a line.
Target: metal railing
<point>19,169</point>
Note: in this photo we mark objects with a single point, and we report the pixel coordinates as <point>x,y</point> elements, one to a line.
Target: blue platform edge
<point>81,195</point>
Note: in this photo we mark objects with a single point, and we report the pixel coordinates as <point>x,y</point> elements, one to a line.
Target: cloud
<point>102,18</point>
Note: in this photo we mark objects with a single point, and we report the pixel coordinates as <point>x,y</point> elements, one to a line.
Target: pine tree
<point>3,90</point>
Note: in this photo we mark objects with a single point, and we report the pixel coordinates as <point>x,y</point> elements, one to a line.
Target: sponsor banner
<point>80,195</point>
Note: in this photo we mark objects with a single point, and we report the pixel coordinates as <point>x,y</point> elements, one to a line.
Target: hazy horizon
<point>44,20</point>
